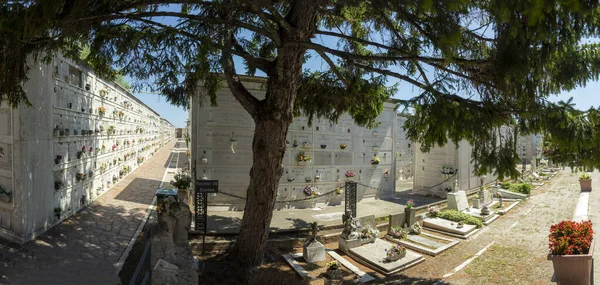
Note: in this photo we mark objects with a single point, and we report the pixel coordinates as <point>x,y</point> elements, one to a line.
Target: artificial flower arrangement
<point>121,114</point>
<point>91,149</point>
<point>310,191</point>
<point>448,170</point>
<point>375,161</point>
<point>83,149</point>
<point>302,157</point>
<point>333,270</point>
<point>339,190</point>
<point>398,232</point>
<point>114,147</point>
<point>387,172</point>
<point>343,146</point>
<point>410,203</point>
<point>570,237</point>
<point>397,251</point>
<point>369,233</point>
<point>350,173</point>
<point>332,265</point>
<point>58,159</point>
<point>101,110</point>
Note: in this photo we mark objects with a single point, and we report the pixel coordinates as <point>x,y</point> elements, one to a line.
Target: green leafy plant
<point>585,176</point>
<point>523,188</point>
<point>505,185</point>
<point>398,232</point>
<point>456,216</point>
<point>182,180</point>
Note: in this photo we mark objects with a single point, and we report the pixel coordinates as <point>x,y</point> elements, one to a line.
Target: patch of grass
<point>456,216</point>
<point>505,185</point>
<point>523,188</point>
<point>500,265</point>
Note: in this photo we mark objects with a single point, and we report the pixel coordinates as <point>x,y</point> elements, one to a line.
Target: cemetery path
<point>517,242</point>
<point>86,248</point>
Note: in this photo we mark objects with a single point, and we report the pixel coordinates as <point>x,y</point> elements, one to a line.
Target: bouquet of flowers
<point>101,110</point>
<point>350,173</point>
<point>369,234</point>
<point>375,161</point>
<point>339,190</point>
<point>310,191</point>
<point>410,203</point>
<point>448,170</point>
<point>395,251</point>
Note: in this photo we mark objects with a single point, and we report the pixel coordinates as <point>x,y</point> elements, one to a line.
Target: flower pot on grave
<point>586,184</point>
<point>334,274</point>
<point>396,257</point>
<point>573,269</point>
<point>409,213</point>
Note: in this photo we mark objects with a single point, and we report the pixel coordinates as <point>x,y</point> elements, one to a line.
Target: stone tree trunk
<point>272,117</point>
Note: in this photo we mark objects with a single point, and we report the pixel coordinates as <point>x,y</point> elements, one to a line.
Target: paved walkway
<point>594,216</point>
<point>86,248</point>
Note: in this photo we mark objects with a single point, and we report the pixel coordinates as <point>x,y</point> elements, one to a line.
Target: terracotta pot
<point>586,185</point>
<point>573,269</point>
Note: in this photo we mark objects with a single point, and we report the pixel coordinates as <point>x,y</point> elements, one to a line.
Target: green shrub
<point>585,176</point>
<point>456,216</point>
<point>523,188</point>
<point>505,185</point>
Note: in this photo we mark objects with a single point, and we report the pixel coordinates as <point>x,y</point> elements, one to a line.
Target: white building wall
<point>64,99</point>
<point>212,130</point>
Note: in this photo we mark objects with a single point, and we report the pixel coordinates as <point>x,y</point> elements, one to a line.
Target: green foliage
<point>523,188</point>
<point>456,216</point>
<point>182,180</point>
<point>505,185</point>
<point>585,176</point>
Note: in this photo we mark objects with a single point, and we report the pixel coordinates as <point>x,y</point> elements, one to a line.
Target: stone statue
<point>455,186</point>
<point>315,230</point>
<point>351,226</point>
<point>171,254</point>
<point>500,199</point>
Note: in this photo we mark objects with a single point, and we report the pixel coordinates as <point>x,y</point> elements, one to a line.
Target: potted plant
<point>398,232</point>
<point>333,270</point>
<point>585,181</point>
<point>101,110</point>
<point>396,252</point>
<point>57,159</point>
<point>350,175</point>
<point>57,184</point>
<point>5,195</point>
<point>182,181</point>
<point>369,234</point>
<point>409,212</point>
<point>57,211</point>
<point>571,250</point>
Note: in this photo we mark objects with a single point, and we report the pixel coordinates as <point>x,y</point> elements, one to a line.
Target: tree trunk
<point>272,117</point>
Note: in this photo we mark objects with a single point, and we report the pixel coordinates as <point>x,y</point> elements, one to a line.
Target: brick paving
<point>85,248</point>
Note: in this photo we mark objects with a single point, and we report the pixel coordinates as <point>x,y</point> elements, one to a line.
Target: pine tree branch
<point>333,67</point>
<point>259,63</point>
<point>246,99</point>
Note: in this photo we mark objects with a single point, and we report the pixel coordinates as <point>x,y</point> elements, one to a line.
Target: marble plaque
<point>397,220</point>
<point>5,122</point>
<point>342,158</point>
<point>322,157</point>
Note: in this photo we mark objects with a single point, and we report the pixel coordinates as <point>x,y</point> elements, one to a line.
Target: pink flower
<point>91,149</point>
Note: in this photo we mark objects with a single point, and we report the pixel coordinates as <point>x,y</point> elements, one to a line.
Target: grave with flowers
<point>360,240</point>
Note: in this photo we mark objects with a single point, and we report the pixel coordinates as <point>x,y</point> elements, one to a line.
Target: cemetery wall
<point>81,135</point>
<point>222,150</point>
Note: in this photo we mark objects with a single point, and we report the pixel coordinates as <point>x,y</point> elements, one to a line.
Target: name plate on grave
<point>207,186</point>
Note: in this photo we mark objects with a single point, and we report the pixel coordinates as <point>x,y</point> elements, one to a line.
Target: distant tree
<point>479,65</point>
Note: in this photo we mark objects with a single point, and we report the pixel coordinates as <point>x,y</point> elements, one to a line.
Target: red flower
<point>569,237</point>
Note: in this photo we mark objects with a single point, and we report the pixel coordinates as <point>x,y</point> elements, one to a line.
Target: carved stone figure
<point>171,254</point>
<point>351,226</point>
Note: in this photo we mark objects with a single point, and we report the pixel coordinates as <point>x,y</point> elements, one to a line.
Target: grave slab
<point>477,213</point>
<point>374,256</point>
<point>364,277</point>
<point>511,195</point>
<point>457,201</point>
<point>449,227</point>
<point>426,243</point>
<point>290,259</point>
<point>512,205</point>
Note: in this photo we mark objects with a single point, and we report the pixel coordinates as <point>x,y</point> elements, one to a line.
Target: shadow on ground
<point>83,249</point>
